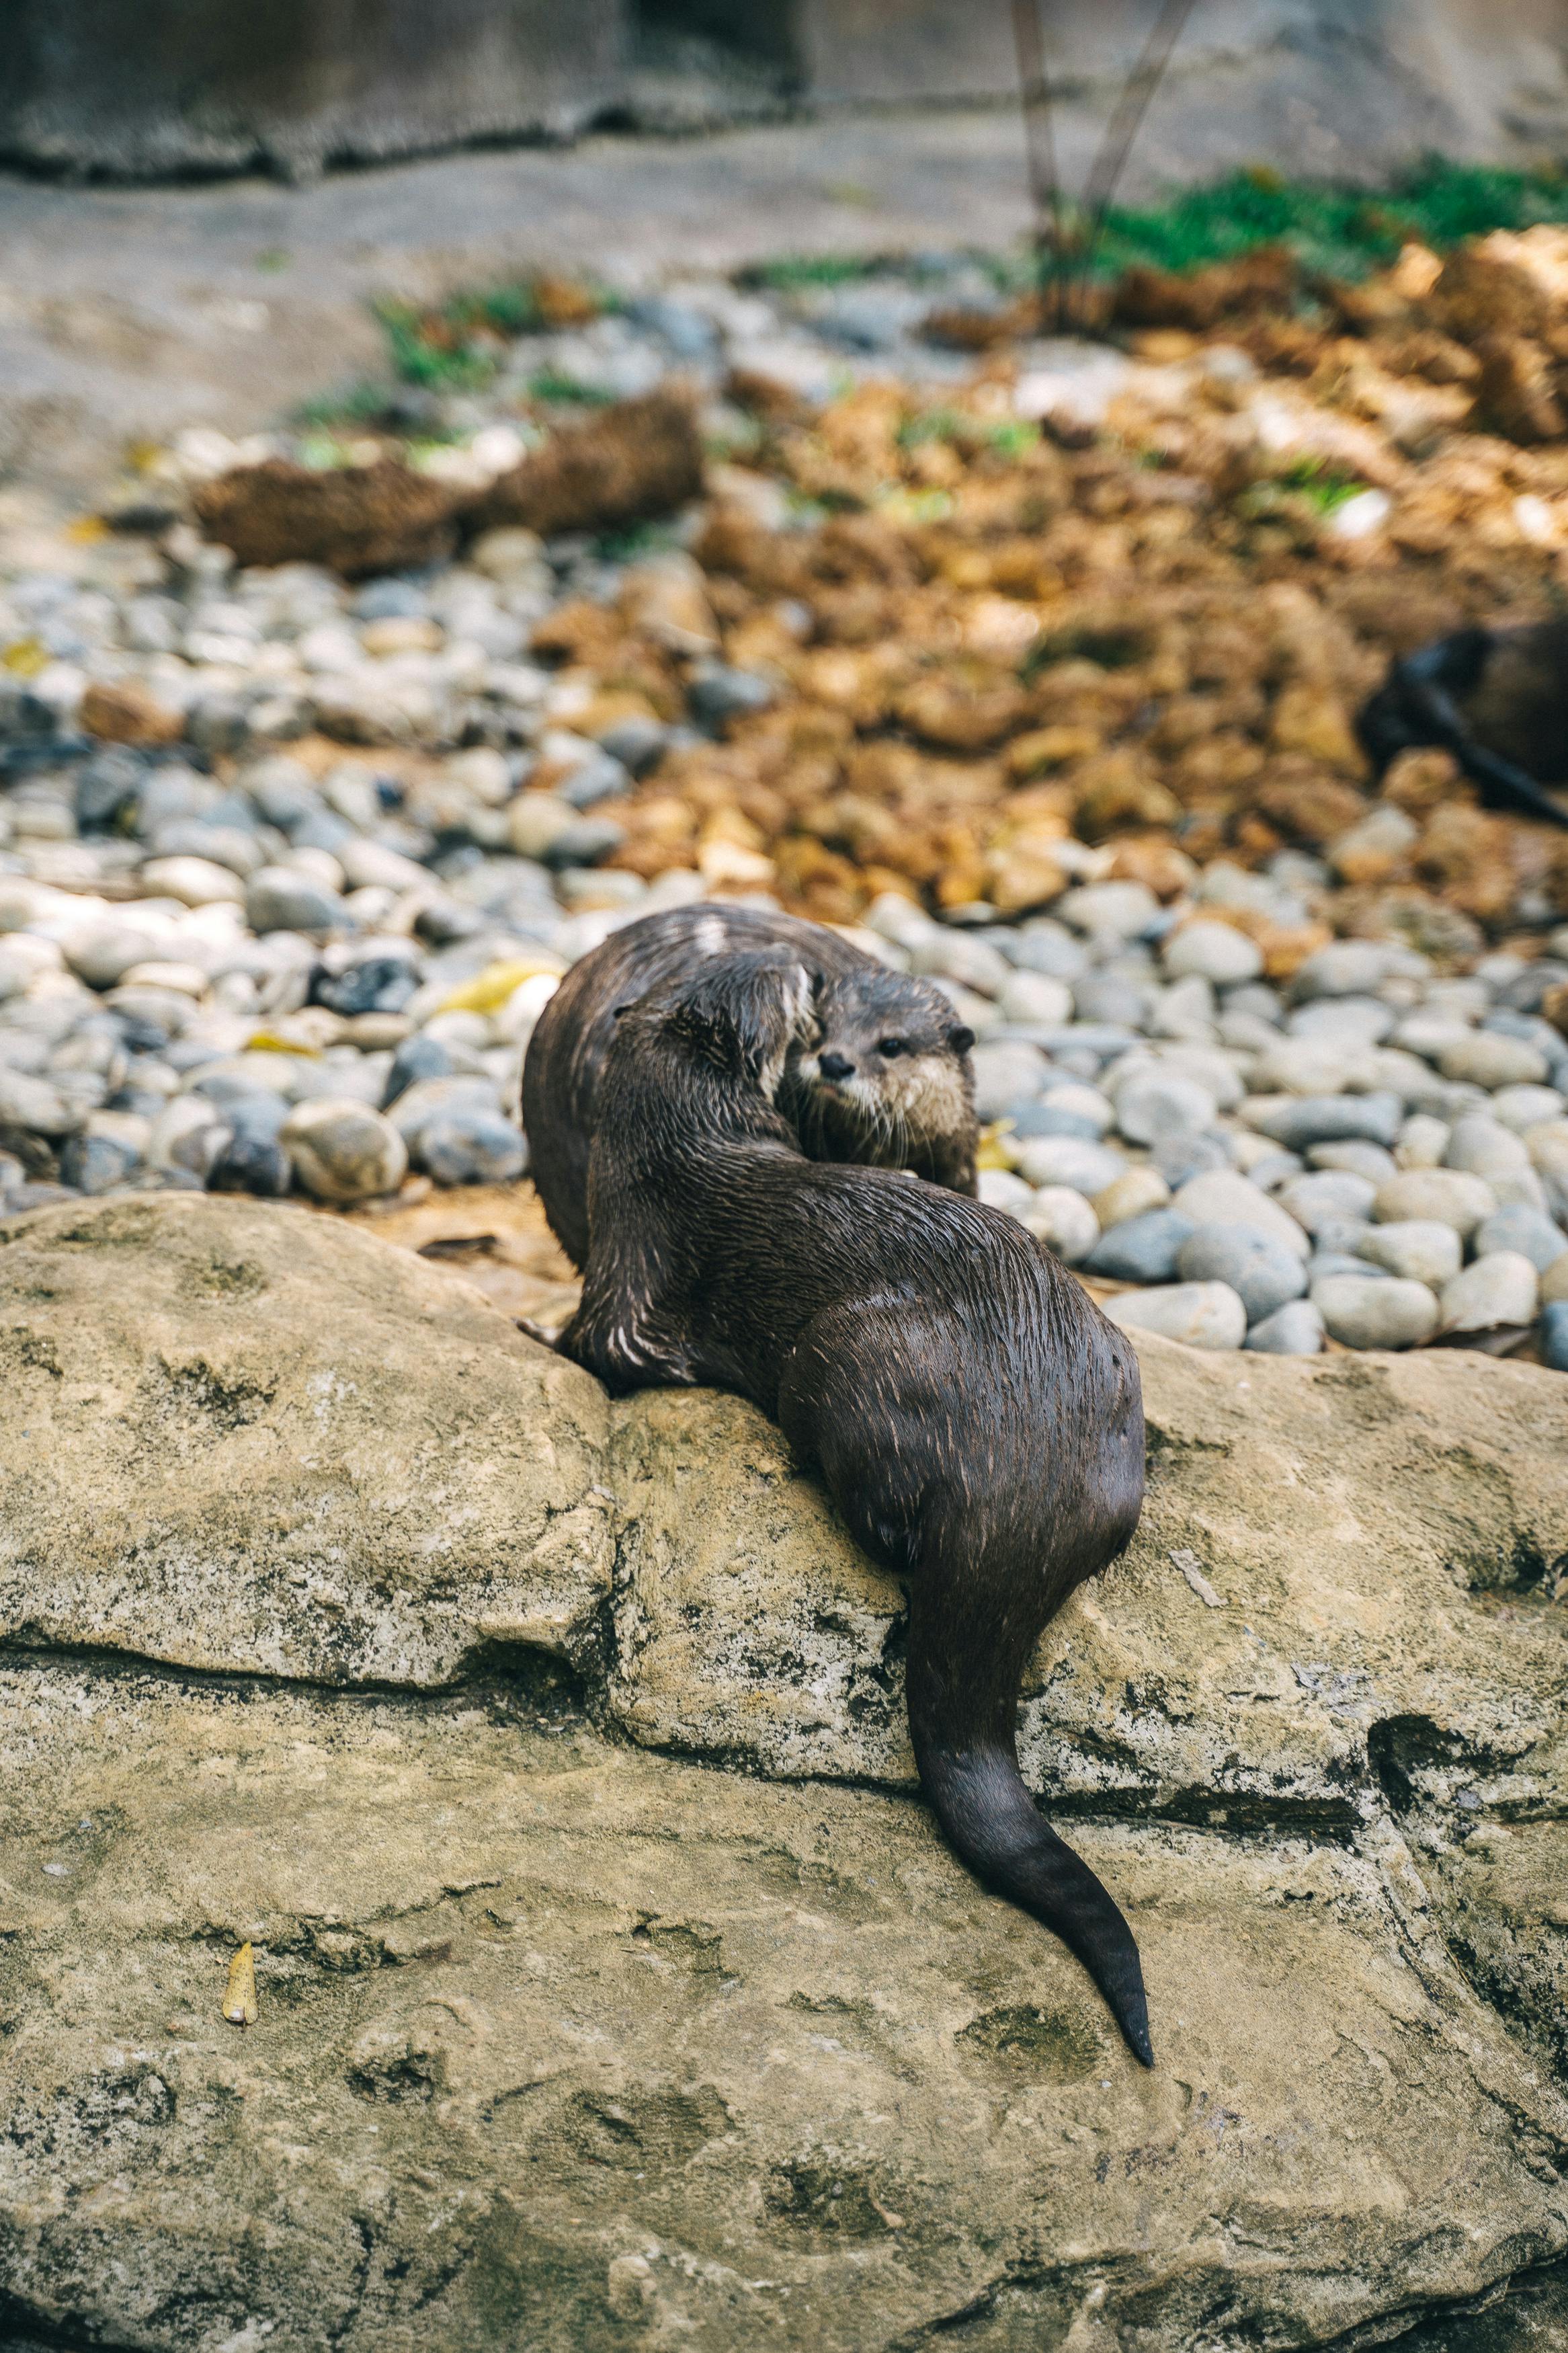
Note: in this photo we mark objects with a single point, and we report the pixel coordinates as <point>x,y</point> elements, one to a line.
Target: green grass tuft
<point>549,384</point>
<point>798,273</point>
<point>1343,232</point>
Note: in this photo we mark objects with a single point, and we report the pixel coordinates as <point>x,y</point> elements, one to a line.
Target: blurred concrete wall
<point>142,87</point>
<point>145,87</point>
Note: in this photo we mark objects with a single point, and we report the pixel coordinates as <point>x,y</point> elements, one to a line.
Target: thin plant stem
<point>1126,120</point>
<point>1040,147</point>
<point>1064,251</point>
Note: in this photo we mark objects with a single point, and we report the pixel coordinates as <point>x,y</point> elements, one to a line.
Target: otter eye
<point>961,1039</point>
<point>890,1048</point>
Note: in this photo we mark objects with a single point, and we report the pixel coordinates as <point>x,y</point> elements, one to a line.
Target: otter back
<point>915,1110</point>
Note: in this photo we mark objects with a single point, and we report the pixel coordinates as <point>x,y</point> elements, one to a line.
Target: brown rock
<point>1517,393</point>
<point>1264,280</point>
<point>126,712</point>
<point>1313,720</point>
<point>1423,781</point>
<point>1023,875</point>
<point>1308,805</point>
<point>1511,283</point>
<point>1120,788</point>
<point>564,301</point>
<point>958,717</point>
<point>353,519</point>
<point>635,460</point>
<point>1154,859</point>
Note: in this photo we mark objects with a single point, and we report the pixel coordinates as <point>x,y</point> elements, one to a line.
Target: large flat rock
<point>267,1443</point>
<point>564,2046</point>
<point>337,1616</point>
<point>1339,1559</point>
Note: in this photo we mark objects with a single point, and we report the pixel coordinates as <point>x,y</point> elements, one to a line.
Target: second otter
<point>886,1080</point>
<point>977,1420</point>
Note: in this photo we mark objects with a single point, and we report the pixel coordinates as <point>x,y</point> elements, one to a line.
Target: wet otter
<point>977,1420</point>
<point>1496,699</point>
<point>887,1081</point>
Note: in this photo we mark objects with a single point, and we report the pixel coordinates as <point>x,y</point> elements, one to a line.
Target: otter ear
<point>621,1010</point>
<point>961,1039</point>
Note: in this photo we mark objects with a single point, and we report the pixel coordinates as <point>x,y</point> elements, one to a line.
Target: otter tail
<point>962,1722</point>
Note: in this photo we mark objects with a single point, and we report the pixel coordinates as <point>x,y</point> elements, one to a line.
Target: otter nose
<point>836,1066</point>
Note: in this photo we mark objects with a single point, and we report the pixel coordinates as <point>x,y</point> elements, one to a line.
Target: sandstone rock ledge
<point>329,1602</point>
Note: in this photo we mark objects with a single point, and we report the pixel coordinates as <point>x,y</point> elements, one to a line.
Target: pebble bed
<point>289,868</point>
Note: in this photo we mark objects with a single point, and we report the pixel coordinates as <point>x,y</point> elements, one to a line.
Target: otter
<point>886,1080</point>
<point>1496,699</point>
<point>978,1420</point>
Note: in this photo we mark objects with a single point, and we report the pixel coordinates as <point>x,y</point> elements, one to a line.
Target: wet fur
<point>978,1420</point>
<point>916,1112</point>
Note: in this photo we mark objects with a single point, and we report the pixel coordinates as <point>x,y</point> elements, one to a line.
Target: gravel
<point>1263,1273</point>
<point>294,937</point>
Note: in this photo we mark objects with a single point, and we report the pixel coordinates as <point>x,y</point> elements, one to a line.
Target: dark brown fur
<point>914,1109</point>
<point>977,1420</point>
<point>1496,699</point>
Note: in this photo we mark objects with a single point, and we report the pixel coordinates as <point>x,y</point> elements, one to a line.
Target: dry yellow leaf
<point>267,1041</point>
<point>489,990</point>
<point>239,1994</point>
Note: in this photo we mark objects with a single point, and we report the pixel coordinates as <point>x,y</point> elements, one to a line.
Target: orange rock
<point>959,719</point>
<point>1516,393</point>
<point>1255,839</point>
<point>667,599</point>
<point>562,303</point>
<point>126,712</point>
<point>1119,788</point>
<point>1426,780</point>
<point>1510,283</point>
<point>578,631</point>
<point>1043,748</point>
<point>1264,280</point>
<point>1308,805</point>
<point>1312,720</point>
<point>1155,862</point>
<point>1285,946</point>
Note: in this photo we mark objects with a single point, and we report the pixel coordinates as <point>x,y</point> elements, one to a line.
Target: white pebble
<point>1375,1311</point>
<point>1420,1248</point>
<point>1490,1060</point>
<point>1213,951</point>
<point>1064,1221</point>
<point>1000,1190</point>
<point>1222,1197</point>
<point>1448,1195</point>
<point>1502,1288</point>
<point>1202,1315</point>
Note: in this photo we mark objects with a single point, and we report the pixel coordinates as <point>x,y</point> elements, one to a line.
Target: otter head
<point>886,1080</point>
<point>742,1014</point>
